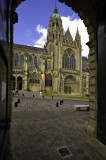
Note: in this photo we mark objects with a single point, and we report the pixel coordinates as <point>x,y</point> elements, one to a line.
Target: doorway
<point>67,90</point>
<point>19,83</point>
<point>13,83</point>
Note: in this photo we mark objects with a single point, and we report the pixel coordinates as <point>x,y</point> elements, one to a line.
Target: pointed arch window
<point>72,62</point>
<point>17,60</point>
<point>65,61</point>
<point>22,60</point>
<point>35,62</point>
<point>48,80</point>
<point>30,61</point>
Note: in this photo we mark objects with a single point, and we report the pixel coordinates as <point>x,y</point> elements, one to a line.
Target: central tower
<point>54,44</point>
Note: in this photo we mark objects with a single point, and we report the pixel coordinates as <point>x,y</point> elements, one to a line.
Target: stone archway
<point>19,83</point>
<point>93,15</point>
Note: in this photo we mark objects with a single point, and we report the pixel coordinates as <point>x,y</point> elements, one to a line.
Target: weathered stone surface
<point>92,58</point>
<point>92,114</point>
<point>92,88</point>
<point>93,65</point>
<point>92,51</point>
<point>92,97</point>
<point>92,80</point>
<point>92,105</point>
<point>93,73</point>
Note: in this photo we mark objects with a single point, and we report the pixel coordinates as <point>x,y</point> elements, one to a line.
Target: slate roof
<point>84,58</point>
<point>25,47</point>
<point>84,70</point>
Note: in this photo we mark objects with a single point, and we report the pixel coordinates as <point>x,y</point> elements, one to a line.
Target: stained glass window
<point>35,62</point>
<point>65,61</point>
<point>30,61</point>
<point>16,60</point>
<point>22,60</point>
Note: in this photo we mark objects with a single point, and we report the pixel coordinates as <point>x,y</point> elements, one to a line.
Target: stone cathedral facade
<point>61,61</point>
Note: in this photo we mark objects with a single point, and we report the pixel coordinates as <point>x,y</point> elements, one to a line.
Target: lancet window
<point>17,60</point>
<point>68,61</point>
<point>22,60</point>
<point>30,61</point>
<point>35,62</point>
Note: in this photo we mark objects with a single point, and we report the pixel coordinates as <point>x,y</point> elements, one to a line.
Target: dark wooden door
<point>69,90</point>
<point>66,90</point>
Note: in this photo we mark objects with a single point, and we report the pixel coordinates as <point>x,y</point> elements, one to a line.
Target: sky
<point>33,20</point>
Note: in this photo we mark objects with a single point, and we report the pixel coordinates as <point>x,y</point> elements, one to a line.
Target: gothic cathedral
<point>57,68</point>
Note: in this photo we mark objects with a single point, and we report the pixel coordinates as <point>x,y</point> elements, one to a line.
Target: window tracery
<point>68,60</point>
<point>34,78</point>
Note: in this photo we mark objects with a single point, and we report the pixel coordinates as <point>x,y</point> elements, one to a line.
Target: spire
<point>77,33</point>
<point>55,13</point>
<point>55,9</point>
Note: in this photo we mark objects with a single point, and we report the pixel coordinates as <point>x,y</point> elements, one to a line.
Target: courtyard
<point>42,131</point>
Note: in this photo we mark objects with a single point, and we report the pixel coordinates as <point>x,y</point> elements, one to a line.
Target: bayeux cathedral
<point>57,68</point>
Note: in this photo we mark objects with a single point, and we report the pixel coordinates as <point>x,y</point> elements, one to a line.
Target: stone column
<point>55,81</point>
<point>26,75</point>
<point>92,123</point>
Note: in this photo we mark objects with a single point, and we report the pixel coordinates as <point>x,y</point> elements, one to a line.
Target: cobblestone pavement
<point>42,131</point>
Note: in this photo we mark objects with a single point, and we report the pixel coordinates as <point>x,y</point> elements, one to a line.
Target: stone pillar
<point>80,84</point>
<point>26,74</point>
<point>62,86</point>
<point>55,81</point>
<point>92,123</point>
<point>87,83</point>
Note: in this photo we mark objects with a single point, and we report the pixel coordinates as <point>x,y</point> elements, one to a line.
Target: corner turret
<point>78,38</point>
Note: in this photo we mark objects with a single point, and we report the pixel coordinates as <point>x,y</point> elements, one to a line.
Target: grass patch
<point>65,96</point>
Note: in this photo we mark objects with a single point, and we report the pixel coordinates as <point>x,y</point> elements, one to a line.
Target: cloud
<point>73,24</point>
<point>70,22</point>
<point>43,36</point>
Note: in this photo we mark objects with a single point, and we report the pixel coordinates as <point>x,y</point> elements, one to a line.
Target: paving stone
<point>39,127</point>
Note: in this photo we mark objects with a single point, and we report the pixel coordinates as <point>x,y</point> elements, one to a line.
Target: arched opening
<point>93,14</point>
<point>13,83</point>
<point>19,83</point>
<point>89,21</point>
<point>70,85</point>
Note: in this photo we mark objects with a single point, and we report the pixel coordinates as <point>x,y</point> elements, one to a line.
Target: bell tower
<point>54,44</point>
